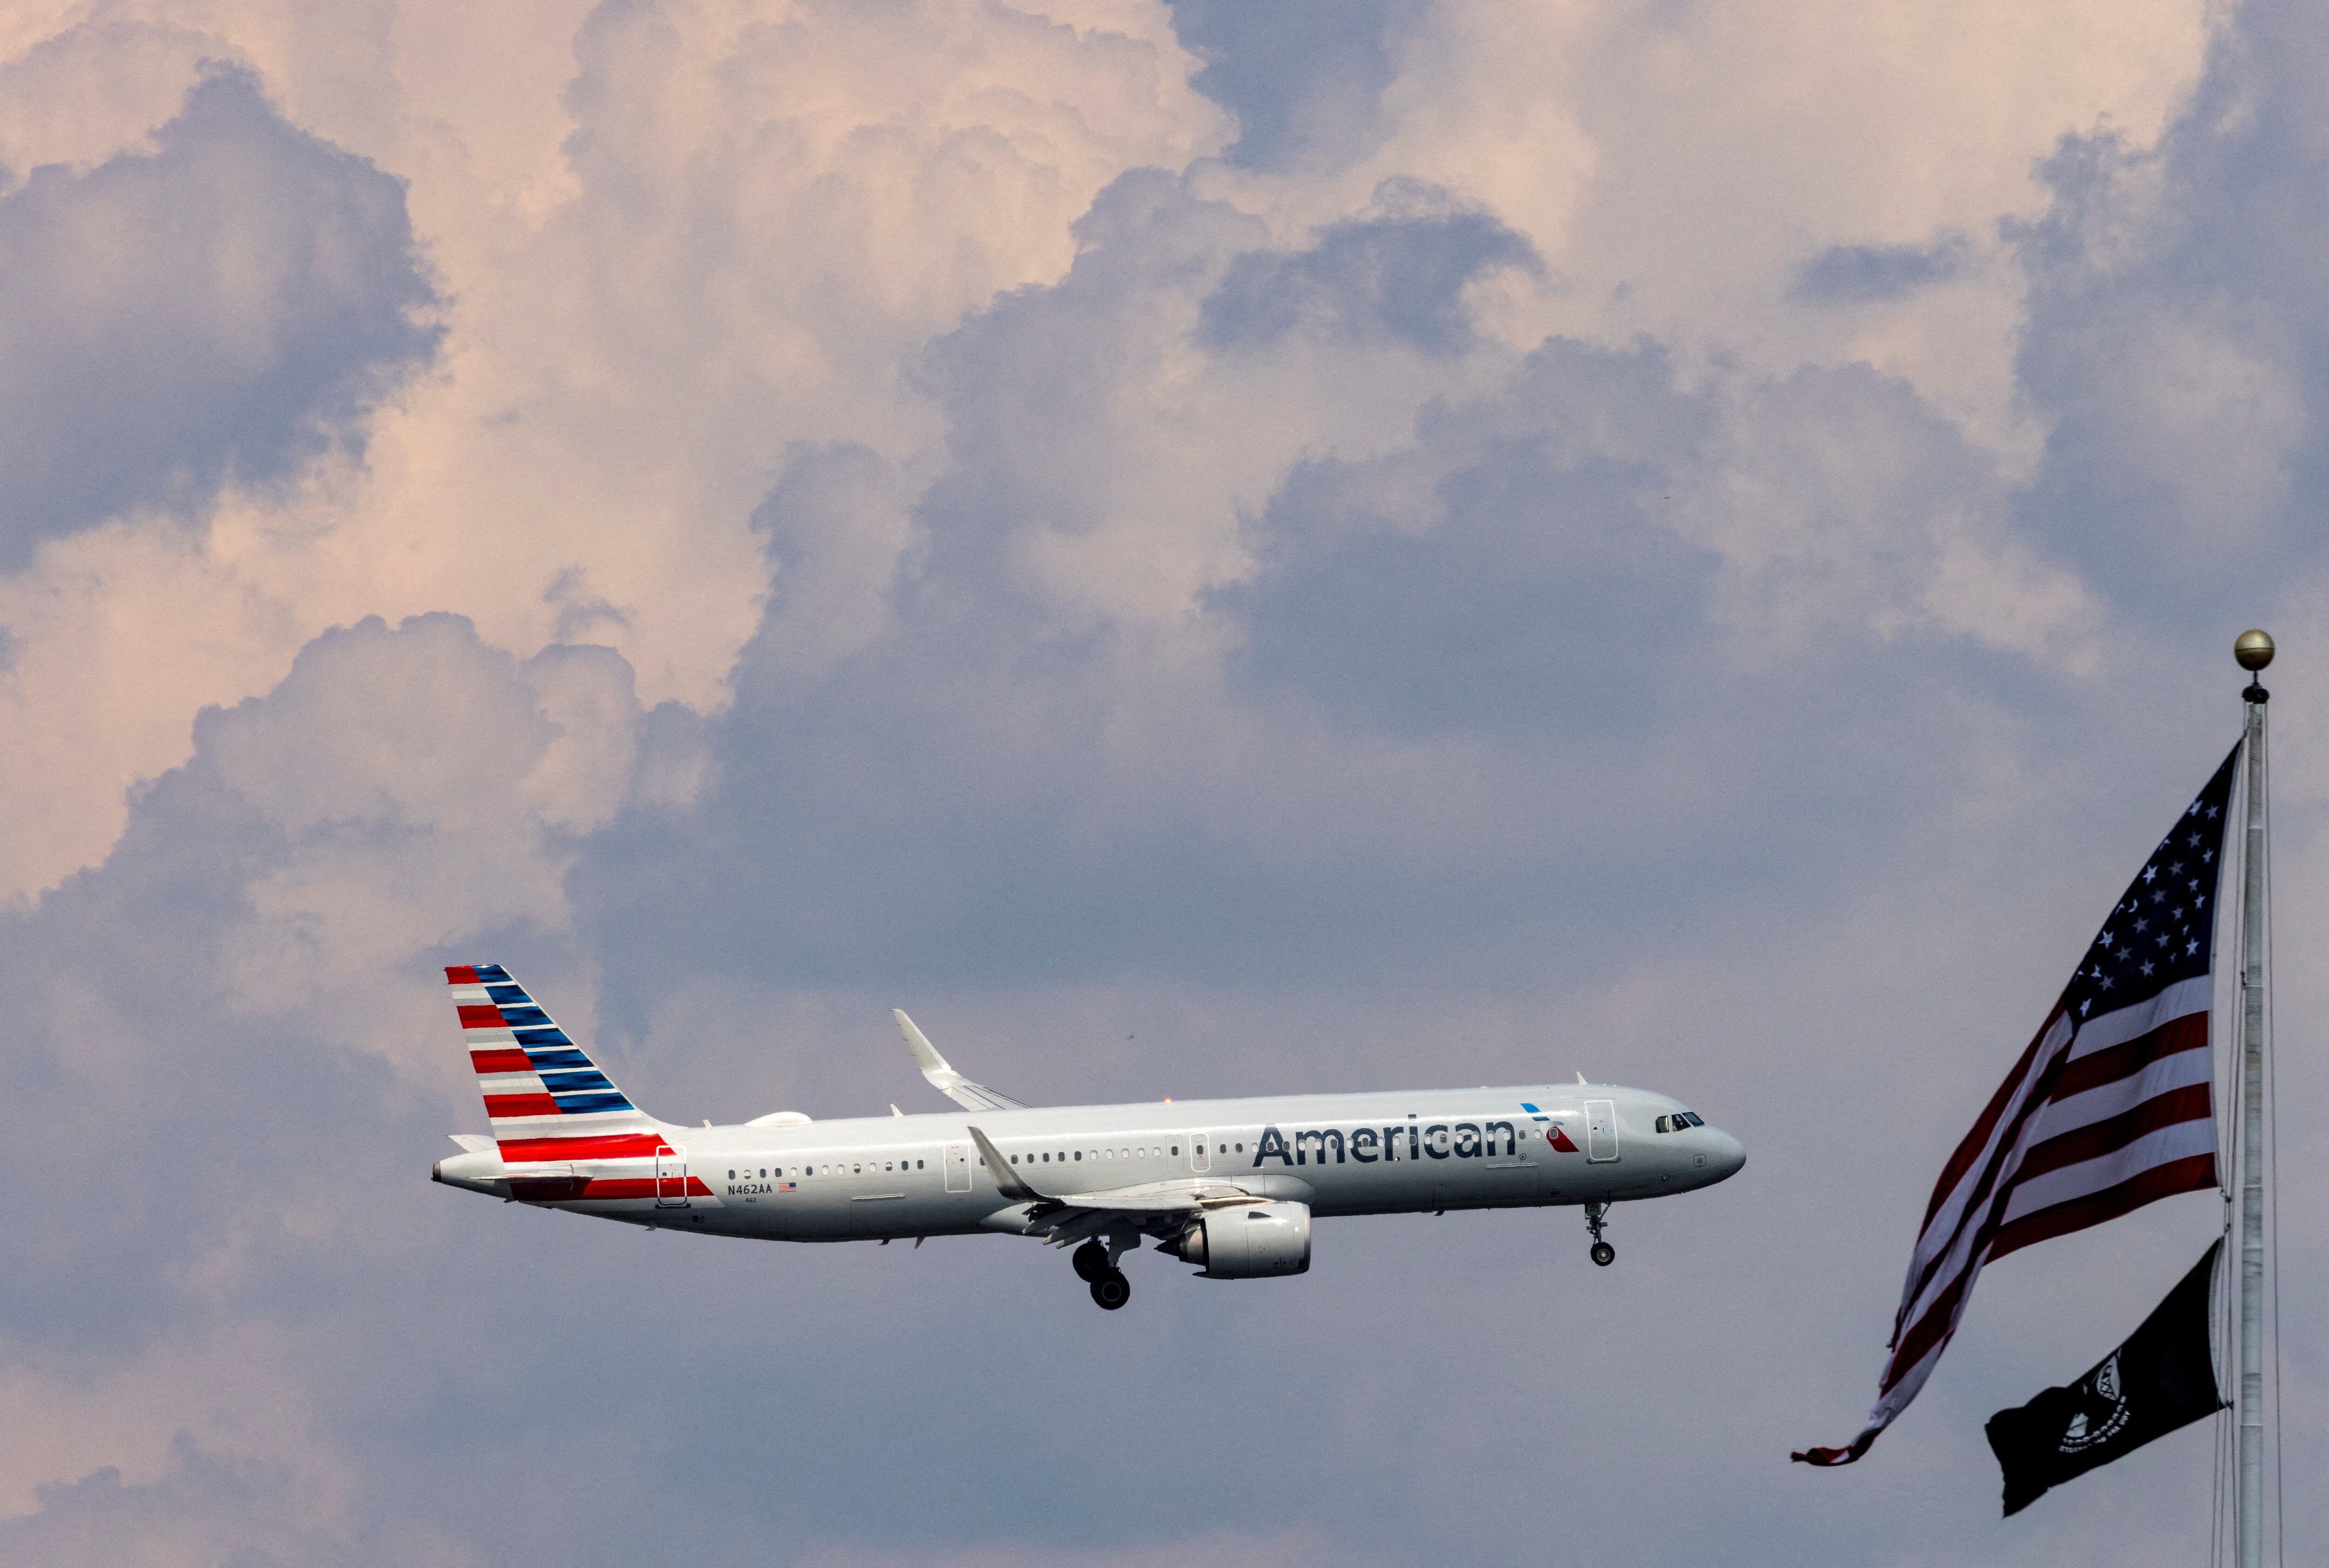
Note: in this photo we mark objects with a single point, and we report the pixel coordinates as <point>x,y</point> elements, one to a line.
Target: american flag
<point>2107,1109</point>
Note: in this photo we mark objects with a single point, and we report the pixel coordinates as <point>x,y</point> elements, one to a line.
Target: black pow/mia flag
<point>2163,1377</point>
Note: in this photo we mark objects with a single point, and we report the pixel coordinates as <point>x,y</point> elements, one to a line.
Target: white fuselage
<point>874,1178</point>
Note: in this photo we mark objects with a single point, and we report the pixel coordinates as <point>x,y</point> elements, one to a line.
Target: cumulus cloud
<point>1306,83</point>
<point>1403,273</point>
<point>224,307</point>
<point>2180,372</point>
<point>1876,274</point>
<point>670,243</point>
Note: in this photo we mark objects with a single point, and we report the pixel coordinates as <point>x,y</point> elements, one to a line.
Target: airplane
<point>1230,1186</point>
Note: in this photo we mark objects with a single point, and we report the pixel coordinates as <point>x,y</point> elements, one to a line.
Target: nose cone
<point>1728,1155</point>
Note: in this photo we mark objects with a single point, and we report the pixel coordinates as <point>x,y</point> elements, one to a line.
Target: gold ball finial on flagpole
<point>2253,650</point>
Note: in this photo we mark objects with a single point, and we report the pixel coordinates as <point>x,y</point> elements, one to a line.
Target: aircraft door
<point>1600,1131</point>
<point>958,1167</point>
<point>671,1178</point>
<point>1201,1156</point>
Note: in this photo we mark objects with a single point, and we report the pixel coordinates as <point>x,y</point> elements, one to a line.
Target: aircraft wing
<point>970,1097</point>
<point>1066,1218</point>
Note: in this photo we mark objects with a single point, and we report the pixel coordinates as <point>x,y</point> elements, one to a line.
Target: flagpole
<point>2254,651</point>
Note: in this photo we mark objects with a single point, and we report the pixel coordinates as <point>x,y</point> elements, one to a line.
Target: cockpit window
<point>1679,1120</point>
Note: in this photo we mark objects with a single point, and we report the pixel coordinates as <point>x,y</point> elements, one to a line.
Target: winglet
<point>926,1055</point>
<point>970,1097</point>
<point>1007,1175</point>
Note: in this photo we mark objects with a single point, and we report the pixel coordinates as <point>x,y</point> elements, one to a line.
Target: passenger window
<point>1240,1148</point>
<point>1080,1154</point>
<point>1176,1149</point>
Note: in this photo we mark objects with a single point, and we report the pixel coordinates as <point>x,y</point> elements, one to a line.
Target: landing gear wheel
<point>1595,1218</point>
<point>1091,1261</point>
<point>1111,1290</point>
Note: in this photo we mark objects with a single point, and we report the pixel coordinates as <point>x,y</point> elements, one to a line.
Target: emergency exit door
<point>671,1178</point>
<point>958,1167</point>
<point>1600,1131</point>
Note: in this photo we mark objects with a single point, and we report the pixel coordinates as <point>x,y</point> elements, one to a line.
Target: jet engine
<point>1256,1241</point>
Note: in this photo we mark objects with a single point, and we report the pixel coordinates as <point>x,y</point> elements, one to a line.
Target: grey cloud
<point>1028,383</point>
<point>1401,274</point>
<point>1525,606</point>
<point>386,761</point>
<point>225,306</point>
<point>1303,80</point>
<point>207,1509</point>
<point>2178,342</point>
<point>838,525</point>
<point>1878,273</point>
<point>1544,589</point>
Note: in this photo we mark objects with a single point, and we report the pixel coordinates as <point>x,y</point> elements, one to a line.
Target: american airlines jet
<point>1230,1186</point>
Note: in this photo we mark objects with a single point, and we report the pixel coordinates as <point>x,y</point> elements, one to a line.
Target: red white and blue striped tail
<point>548,1100</point>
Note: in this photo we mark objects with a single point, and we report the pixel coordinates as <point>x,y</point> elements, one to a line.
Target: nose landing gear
<point>1603,1253</point>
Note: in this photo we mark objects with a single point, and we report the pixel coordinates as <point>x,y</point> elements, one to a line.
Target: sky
<point>1202,548</point>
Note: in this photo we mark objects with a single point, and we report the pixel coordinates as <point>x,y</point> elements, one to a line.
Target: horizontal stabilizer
<point>970,1097</point>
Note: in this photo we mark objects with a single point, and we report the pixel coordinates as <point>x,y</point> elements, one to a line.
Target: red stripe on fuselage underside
<point>616,1146</point>
<point>620,1186</point>
<point>461,974</point>
<point>481,1017</point>
<point>501,1059</point>
<point>500,1105</point>
<point>614,1187</point>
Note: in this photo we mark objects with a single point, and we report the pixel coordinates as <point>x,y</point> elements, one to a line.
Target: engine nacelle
<point>1255,1241</point>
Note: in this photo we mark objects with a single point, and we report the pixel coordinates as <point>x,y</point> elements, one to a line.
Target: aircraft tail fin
<point>545,1096</point>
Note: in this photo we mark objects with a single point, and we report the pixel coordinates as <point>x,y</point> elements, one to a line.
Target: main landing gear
<point>1603,1253</point>
<point>1109,1289</point>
